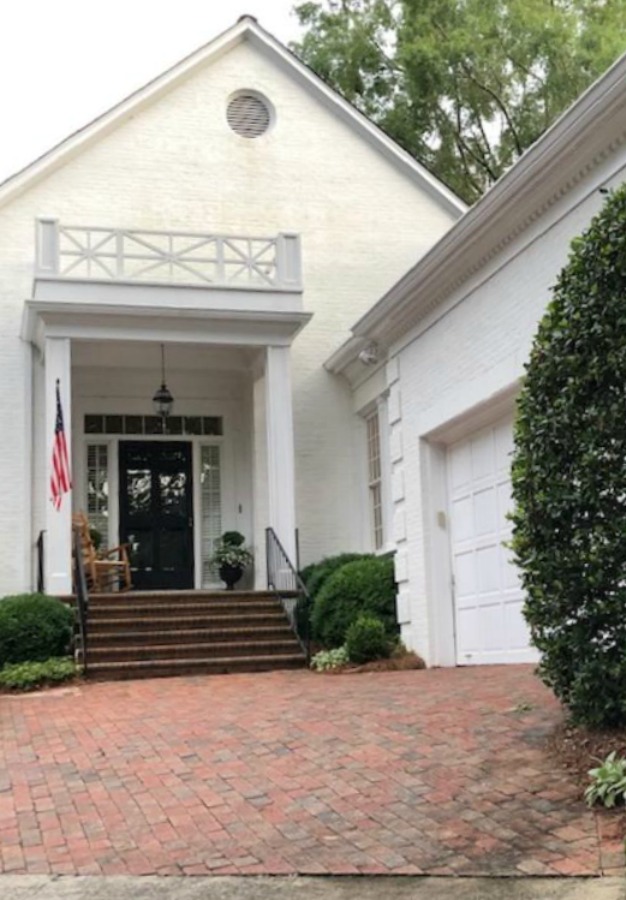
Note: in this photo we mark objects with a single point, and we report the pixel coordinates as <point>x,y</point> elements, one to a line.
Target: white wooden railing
<point>170,257</point>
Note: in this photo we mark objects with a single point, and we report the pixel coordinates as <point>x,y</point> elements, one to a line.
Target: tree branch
<point>499,103</point>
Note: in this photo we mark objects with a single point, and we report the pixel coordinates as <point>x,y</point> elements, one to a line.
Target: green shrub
<point>597,694</point>
<point>366,640</point>
<point>365,586</point>
<point>316,575</point>
<point>330,659</point>
<point>569,477</point>
<point>26,676</point>
<point>34,627</point>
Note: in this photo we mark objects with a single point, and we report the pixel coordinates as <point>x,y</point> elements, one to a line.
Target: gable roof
<point>246,29</point>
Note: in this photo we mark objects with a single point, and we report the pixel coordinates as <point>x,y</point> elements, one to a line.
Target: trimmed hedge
<point>365,586</point>
<point>33,628</point>
<point>317,574</point>
<point>569,477</point>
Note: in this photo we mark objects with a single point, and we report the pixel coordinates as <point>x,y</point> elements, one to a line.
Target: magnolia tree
<point>569,477</point>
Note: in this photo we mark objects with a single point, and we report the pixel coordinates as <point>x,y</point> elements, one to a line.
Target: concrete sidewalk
<point>44,887</point>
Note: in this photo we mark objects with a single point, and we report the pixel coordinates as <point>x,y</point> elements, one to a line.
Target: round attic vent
<point>248,115</point>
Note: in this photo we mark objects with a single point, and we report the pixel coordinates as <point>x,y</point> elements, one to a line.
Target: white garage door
<point>488,595</point>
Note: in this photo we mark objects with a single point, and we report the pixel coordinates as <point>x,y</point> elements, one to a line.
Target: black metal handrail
<point>82,598</point>
<point>284,579</point>
<point>41,578</point>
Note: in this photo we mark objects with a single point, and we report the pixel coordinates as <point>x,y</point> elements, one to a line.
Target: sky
<point>64,62</point>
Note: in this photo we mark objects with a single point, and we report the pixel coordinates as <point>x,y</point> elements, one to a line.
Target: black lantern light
<point>163,400</point>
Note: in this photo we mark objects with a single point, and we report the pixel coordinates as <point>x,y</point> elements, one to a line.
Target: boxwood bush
<point>367,640</point>
<point>317,574</point>
<point>33,628</point>
<point>365,586</point>
<point>569,477</point>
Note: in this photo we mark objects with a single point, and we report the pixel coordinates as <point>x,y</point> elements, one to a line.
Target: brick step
<point>225,650</point>
<point>178,610</point>
<point>158,633</point>
<point>168,598</point>
<point>109,671</point>
<point>202,635</point>
<point>185,623</point>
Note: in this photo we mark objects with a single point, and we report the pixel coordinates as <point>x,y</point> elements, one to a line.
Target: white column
<point>280,448</point>
<point>58,537</point>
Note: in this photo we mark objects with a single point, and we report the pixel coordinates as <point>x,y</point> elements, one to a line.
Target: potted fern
<point>231,558</point>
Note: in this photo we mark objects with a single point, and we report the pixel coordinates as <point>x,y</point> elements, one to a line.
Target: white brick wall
<point>471,348</point>
<point>176,165</point>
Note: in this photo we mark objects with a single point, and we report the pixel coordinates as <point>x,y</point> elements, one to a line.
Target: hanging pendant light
<point>163,400</point>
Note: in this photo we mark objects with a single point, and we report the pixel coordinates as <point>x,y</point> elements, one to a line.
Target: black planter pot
<point>230,575</point>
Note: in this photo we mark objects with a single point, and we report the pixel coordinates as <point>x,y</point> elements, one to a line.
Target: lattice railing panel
<point>168,257</point>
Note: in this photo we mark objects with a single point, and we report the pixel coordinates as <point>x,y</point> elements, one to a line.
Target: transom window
<point>120,424</point>
<point>375,479</point>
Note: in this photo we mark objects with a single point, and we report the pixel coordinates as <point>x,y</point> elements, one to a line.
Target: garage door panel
<point>516,626</point>
<point>465,577</point>
<point>468,621</point>
<point>505,504</point>
<point>462,518</point>
<point>511,576</point>
<point>504,444</point>
<point>460,466</point>
<point>483,456</point>
<point>488,569</point>
<point>491,624</point>
<point>486,511</point>
<point>490,627</point>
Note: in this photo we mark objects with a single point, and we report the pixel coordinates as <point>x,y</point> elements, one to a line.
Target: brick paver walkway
<point>440,771</point>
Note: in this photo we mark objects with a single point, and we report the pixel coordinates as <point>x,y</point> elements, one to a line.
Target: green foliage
<point>366,640</point>
<point>34,627</point>
<point>608,785</point>
<point>365,586</point>
<point>229,551</point>
<point>463,85</point>
<point>330,659</point>
<point>27,676</point>
<point>316,575</point>
<point>569,477</point>
<point>233,538</point>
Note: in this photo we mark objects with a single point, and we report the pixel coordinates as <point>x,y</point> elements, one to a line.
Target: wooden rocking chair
<point>105,571</point>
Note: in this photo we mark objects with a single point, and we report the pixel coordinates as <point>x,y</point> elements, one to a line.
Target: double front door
<point>156,512</point>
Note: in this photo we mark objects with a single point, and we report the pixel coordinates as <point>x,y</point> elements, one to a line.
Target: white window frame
<point>378,409</point>
<point>375,480</point>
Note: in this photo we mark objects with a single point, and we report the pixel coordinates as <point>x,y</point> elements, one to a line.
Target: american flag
<point>60,480</point>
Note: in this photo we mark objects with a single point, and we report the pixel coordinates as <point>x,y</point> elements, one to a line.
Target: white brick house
<point>238,215</point>
<point>445,349</point>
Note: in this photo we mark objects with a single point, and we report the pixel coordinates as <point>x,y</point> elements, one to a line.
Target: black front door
<point>156,512</point>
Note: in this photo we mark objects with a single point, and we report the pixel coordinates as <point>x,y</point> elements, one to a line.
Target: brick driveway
<point>440,771</point>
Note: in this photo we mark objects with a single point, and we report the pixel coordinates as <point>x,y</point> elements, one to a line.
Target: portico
<point>226,312</point>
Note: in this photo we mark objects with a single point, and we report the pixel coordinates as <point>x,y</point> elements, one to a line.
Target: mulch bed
<point>394,664</point>
<point>579,750</point>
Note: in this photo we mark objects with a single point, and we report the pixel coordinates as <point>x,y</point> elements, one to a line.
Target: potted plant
<point>231,557</point>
